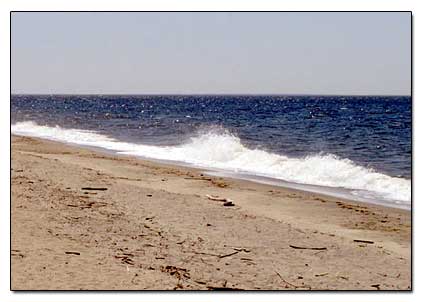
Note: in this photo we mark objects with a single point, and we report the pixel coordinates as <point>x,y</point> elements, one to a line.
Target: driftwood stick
<point>321,275</point>
<point>308,248</point>
<point>197,178</point>
<point>216,255</point>
<point>364,241</point>
<point>242,249</point>
<point>127,261</point>
<point>72,253</point>
<point>211,197</point>
<point>285,281</point>
<point>230,254</point>
<point>207,254</point>
<point>94,189</point>
<point>293,285</point>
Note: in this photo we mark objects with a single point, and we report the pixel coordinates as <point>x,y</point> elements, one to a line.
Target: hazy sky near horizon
<point>211,53</point>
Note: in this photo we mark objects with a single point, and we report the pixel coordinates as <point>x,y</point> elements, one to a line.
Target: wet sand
<point>83,219</point>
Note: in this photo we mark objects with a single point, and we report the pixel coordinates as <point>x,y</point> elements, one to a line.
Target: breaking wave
<point>223,150</point>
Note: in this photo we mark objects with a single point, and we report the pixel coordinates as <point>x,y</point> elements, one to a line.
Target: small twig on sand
<point>219,256</point>
<point>241,249</point>
<point>230,254</point>
<point>321,275</point>
<point>196,178</point>
<point>94,189</point>
<point>206,254</point>
<point>127,260</point>
<point>364,241</point>
<point>72,253</point>
<point>211,197</point>
<point>308,248</point>
<point>293,285</point>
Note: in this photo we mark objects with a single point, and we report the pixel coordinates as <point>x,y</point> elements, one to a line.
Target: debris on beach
<point>364,241</point>
<point>94,189</point>
<point>307,248</point>
<point>217,198</point>
<point>226,201</point>
<point>72,253</point>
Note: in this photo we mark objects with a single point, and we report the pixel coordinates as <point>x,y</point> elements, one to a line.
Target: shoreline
<point>336,192</point>
<point>155,228</point>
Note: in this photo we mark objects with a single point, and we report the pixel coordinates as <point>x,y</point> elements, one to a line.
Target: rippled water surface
<point>372,131</point>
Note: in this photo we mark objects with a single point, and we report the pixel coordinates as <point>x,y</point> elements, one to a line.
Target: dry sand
<point>154,228</point>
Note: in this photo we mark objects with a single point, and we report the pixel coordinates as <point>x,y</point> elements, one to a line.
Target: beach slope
<point>87,220</point>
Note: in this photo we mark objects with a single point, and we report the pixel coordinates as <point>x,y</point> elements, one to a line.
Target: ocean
<point>356,147</point>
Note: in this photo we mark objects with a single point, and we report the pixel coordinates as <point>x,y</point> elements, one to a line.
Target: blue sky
<point>212,53</point>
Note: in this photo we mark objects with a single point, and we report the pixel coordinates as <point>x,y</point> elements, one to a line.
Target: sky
<point>211,53</point>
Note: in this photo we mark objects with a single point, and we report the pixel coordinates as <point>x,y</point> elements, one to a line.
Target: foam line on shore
<point>225,151</point>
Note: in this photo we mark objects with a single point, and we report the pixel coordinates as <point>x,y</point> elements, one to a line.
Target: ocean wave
<point>221,149</point>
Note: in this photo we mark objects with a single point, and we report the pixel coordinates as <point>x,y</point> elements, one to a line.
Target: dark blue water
<point>372,131</point>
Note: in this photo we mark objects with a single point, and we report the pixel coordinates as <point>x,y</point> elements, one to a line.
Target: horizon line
<point>207,94</point>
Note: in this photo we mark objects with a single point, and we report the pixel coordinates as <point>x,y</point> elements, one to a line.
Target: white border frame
<point>158,5</point>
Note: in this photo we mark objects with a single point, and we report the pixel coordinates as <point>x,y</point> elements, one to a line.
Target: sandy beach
<point>88,220</point>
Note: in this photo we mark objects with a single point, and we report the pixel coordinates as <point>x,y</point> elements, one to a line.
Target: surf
<point>223,150</point>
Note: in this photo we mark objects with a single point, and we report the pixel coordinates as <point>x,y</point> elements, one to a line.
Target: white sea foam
<point>222,150</point>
